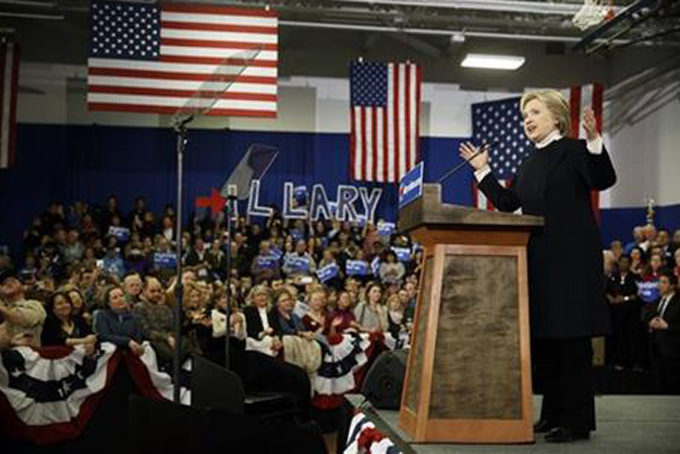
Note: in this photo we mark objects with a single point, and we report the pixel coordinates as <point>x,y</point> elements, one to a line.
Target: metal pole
<point>227,332</point>
<point>179,290</point>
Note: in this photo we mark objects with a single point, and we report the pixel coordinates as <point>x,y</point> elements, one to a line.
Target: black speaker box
<point>384,381</point>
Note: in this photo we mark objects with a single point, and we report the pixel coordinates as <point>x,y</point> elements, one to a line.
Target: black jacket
<point>566,273</point>
<point>254,323</point>
<point>667,341</point>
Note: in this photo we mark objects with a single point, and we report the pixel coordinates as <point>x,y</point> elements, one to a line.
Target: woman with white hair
<point>566,284</point>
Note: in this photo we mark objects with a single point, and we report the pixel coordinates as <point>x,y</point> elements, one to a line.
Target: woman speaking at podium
<point>566,277</point>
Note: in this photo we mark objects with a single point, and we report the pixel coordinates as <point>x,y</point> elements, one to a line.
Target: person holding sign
<point>299,264</point>
<point>265,266</point>
<point>555,181</point>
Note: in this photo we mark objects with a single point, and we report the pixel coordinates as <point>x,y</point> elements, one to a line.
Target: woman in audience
<point>117,324</point>
<point>315,320</point>
<point>343,319</point>
<point>63,326</point>
<point>259,324</point>
<point>637,265</point>
<point>370,313</point>
<point>391,271</point>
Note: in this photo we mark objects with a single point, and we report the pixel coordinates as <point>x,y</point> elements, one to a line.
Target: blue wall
<point>68,163</point>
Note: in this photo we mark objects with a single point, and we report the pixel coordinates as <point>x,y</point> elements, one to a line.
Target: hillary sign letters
<point>351,203</point>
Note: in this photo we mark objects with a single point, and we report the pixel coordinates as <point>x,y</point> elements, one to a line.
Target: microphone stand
<point>231,199</point>
<point>484,149</point>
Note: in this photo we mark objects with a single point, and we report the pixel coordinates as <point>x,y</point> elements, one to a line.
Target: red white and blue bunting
<point>364,437</point>
<point>48,394</point>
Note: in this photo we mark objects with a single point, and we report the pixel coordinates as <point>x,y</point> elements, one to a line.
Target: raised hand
<point>590,125</point>
<point>467,150</point>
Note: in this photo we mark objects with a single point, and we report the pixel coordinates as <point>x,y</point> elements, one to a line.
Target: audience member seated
<point>22,319</point>
<point>259,325</point>
<point>342,318</point>
<point>117,324</point>
<point>64,327</point>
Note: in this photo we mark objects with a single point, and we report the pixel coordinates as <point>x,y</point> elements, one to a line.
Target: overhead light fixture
<point>488,61</point>
<point>32,15</point>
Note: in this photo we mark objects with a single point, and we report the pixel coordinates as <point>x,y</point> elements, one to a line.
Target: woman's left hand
<point>590,125</point>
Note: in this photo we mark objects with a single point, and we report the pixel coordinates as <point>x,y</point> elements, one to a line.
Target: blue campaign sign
<point>327,273</point>
<point>298,264</point>
<point>648,291</point>
<point>386,228</point>
<point>165,259</point>
<point>403,253</point>
<point>276,252</point>
<point>269,262</point>
<point>411,185</point>
<point>357,268</point>
<point>375,266</point>
<point>122,234</point>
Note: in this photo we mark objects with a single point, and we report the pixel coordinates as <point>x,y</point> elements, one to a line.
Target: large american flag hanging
<point>580,97</point>
<point>9,78</point>
<point>153,58</point>
<point>385,112</point>
<point>499,123</point>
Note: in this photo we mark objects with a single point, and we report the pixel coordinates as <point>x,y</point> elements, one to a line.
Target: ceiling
<point>317,37</point>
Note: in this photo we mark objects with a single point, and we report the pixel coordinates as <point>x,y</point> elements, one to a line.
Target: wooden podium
<point>468,378</point>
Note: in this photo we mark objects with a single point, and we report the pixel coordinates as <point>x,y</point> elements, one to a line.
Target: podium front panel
<point>477,367</point>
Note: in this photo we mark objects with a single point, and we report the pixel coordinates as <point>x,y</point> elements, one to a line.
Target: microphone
<point>484,148</point>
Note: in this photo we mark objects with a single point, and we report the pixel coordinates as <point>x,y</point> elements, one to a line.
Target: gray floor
<point>625,424</point>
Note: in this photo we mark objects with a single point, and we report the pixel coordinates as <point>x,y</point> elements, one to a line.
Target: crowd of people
<point>642,291</point>
<point>90,275</point>
<point>295,288</point>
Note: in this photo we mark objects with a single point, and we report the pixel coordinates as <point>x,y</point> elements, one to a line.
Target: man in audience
<point>638,239</point>
<point>21,320</point>
<point>663,321</point>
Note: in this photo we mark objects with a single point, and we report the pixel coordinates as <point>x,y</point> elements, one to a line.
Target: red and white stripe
<point>580,97</point>
<point>9,65</point>
<point>384,140</point>
<point>480,201</point>
<point>195,41</point>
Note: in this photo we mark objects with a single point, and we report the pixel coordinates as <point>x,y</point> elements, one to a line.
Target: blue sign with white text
<point>411,185</point>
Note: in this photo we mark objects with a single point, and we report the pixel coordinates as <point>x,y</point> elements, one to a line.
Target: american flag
<point>499,123</point>
<point>153,58</point>
<point>9,64</point>
<point>579,98</point>
<point>385,112</point>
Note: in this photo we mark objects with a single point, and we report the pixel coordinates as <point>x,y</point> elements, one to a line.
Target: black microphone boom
<point>484,148</point>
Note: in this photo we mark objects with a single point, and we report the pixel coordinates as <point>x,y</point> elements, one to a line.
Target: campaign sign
<point>375,266</point>
<point>403,253</point>
<point>357,268</point>
<point>411,185</point>
<point>276,252</point>
<point>298,264</point>
<point>165,259</point>
<point>648,291</point>
<point>122,234</point>
<point>327,273</point>
<point>269,261</point>
<point>386,228</point>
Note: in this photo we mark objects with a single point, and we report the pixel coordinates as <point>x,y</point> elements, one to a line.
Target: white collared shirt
<point>664,304</point>
<point>594,147</point>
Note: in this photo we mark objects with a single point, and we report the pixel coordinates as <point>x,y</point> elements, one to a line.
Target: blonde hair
<point>556,103</point>
<point>259,290</point>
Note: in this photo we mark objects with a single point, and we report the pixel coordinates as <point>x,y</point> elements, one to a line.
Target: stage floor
<point>625,424</point>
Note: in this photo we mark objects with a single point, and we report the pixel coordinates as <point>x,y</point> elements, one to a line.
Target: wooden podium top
<point>429,210</point>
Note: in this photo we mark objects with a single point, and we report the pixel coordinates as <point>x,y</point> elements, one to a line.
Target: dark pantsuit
<point>565,367</point>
